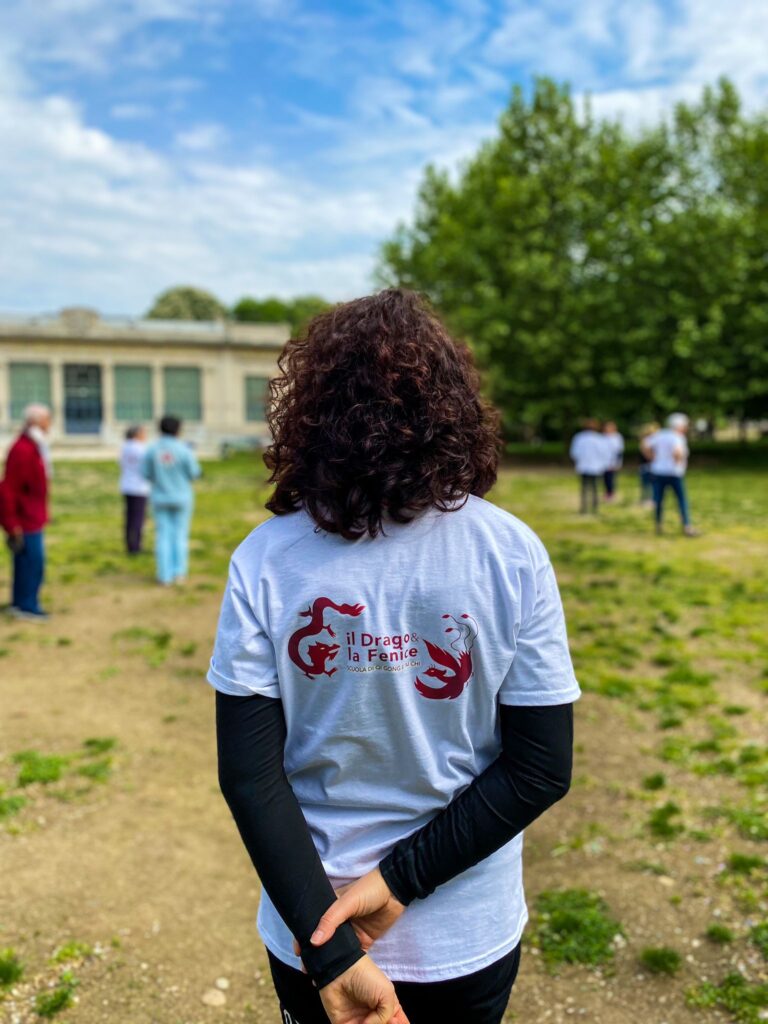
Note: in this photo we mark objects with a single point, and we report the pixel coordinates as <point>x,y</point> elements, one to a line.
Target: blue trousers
<point>171,540</point>
<point>28,573</point>
<point>660,484</point>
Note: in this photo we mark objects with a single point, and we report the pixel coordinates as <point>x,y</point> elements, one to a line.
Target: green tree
<point>304,308</point>
<point>297,311</point>
<point>600,271</point>
<point>261,311</point>
<point>184,302</point>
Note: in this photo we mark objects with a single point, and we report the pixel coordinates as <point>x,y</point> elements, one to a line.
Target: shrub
<point>660,821</point>
<point>48,1004</point>
<point>11,968</point>
<point>661,960</point>
<point>99,744</point>
<point>575,926</point>
<point>719,933</point>
<point>71,951</point>
<point>751,822</point>
<point>10,805</point>
<point>36,767</point>
<point>743,863</point>
<point>655,781</point>
<point>735,994</point>
<point>98,771</point>
<point>758,936</point>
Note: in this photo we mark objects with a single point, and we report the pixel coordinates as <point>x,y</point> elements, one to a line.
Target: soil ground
<point>140,861</point>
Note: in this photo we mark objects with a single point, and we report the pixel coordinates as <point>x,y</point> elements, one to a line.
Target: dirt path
<point>148,868</point>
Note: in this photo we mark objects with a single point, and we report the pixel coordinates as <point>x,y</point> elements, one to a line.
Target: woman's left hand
<point>367,904</point>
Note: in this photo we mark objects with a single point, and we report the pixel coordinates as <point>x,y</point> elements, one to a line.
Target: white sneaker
<point>23,616</point>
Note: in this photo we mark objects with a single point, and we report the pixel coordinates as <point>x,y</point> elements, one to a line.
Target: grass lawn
<point>127,895</point>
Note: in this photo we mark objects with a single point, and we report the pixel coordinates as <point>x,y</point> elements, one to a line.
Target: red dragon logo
<point>319,654</point>
<point>457,666</point>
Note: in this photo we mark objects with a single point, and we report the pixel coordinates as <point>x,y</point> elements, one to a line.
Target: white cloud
<point>640,107</point>
<point>202,137</point>
<point>657,52</point>
<point>130,111</point>
<point>93,218</point>
<point>553,38</point>
<point>92,35</point>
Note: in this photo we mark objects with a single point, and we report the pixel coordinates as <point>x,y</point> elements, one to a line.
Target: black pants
<point>479,998</point>
<point>609,479</point>
<point>135,510</point>
<point>589,492</point>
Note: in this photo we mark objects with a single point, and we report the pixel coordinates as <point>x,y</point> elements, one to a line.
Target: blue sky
<point>268,146</point>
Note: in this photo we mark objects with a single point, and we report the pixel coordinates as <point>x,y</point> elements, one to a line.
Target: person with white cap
<point>668,451</point>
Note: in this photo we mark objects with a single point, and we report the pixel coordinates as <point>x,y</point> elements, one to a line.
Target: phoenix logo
<point>453,667</point>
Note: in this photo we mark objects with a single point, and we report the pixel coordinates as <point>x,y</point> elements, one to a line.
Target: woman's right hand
<point>363,994</point>
<point>368,904</point>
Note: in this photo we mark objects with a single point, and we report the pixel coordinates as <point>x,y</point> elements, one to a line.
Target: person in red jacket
<point>25,510</point>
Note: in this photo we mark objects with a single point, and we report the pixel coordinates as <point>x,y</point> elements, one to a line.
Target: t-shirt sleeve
<point>243,661</point>
<point>193,466</point>
<point>542,672</point>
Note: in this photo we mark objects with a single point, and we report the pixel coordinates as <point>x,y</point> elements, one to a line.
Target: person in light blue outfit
<point>170,466</point>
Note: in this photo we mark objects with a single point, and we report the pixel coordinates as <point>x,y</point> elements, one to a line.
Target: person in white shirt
<point>393,681</point>
<point>614,444</point>
<point>589,453</point>
<point>668,451</point>
<point>133,486</point>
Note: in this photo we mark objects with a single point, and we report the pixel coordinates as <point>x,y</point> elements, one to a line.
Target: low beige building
<point>100,375</point>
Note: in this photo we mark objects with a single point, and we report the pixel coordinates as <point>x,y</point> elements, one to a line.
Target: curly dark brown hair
<point>377,411</point>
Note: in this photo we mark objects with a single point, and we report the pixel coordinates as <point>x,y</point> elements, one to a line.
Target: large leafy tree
<point>261,311</point>
<point>187,303</point>
<point>597,271</point>
<point>297,311</point>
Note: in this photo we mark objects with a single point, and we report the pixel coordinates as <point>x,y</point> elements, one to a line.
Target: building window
<point>182,392</point>
<point>256,395</point>
<point>82,398</point>
<point>29,382</point>
<point>133,393</point>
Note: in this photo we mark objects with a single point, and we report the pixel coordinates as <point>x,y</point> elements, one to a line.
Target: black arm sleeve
<point>251,739</point>
<point>532,772</point>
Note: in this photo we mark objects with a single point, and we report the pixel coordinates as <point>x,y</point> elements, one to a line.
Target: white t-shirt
<point>132,480</point>
<point>615,445</point>
<point>390,655</point>
<point>590,452</point>
<point>664,444</point>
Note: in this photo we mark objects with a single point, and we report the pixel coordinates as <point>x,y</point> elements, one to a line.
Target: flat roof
<point>88,325</point>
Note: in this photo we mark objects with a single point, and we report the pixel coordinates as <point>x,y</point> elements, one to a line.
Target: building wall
<point>223,369</point>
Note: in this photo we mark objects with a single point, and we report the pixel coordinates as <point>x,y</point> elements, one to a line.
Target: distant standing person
<point>589,453</point>
<point>170,466</point>
<point>134,486</point>
<point>644,469</point>
<point>668,451</point>
<point>25,510</point>
<point>614,444</point>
